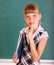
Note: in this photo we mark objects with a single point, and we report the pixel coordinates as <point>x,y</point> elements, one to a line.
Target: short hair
<point>31,8</point>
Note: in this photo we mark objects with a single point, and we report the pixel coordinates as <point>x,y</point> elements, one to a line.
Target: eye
<point>27,17</point>
<point>34,15</point>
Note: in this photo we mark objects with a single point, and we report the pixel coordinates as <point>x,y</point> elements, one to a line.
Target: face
<point>32,19</point>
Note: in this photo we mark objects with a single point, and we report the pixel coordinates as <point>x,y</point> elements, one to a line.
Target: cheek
<point>27,22</point>
<point>36,21</point>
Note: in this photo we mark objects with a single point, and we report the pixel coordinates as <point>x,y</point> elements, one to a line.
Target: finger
<point>16,60</point>
<point>14,57</point>
<point>27,31</point>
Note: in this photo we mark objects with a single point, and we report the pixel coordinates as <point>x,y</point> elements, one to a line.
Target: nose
<point>31,19</point>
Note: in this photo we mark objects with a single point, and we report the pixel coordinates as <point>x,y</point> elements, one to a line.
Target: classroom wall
<point>12,21</point>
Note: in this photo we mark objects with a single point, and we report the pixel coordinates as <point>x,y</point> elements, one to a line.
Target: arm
<point>36,53</point>
<point>15,55</point>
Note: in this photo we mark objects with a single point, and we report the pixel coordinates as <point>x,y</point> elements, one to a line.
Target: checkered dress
<point>24,54</point>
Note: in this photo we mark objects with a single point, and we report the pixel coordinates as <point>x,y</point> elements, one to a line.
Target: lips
<point>31,23</point>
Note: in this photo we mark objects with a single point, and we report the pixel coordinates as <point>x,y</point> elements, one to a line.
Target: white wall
<point>10,62</point>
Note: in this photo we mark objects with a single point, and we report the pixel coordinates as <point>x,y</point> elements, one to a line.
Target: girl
<point>32,39</point>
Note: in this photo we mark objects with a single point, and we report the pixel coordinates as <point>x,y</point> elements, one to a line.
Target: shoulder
<point>23,30</point>
<point>43,32</point>
<point>40,33</point>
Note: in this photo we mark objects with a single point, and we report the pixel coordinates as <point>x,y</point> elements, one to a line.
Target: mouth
<point>31,23</point>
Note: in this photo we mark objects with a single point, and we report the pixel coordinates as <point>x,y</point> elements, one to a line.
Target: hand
<point>29,33</point>
<point>15,59</point>
<point>30,30</point>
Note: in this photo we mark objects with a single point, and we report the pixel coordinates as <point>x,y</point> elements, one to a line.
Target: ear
<point>39,16</point>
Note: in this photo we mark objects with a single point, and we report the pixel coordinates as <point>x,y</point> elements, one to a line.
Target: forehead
<point>31,14</point>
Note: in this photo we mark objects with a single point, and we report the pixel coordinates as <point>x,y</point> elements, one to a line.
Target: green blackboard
<point>11,22</point>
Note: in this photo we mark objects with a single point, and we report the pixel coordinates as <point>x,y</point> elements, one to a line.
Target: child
<point>32,39</point>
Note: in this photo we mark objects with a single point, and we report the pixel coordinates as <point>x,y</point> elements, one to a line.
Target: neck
<point>35,28</point>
